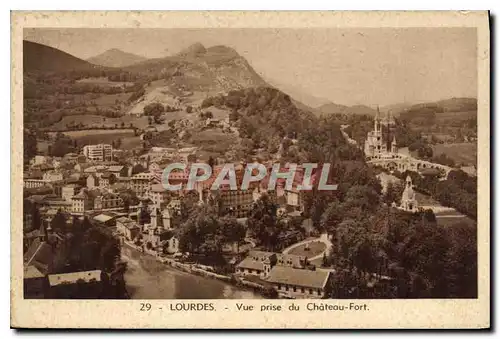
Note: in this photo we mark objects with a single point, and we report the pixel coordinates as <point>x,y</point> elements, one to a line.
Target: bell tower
<point>394,145</point>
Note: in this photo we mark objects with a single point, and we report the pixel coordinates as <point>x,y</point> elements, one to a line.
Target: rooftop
<point>250,263</point>
<point>74,277</point>
<point>298,277</point>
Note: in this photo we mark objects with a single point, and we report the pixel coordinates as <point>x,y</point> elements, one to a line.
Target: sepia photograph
<point>271,163</point>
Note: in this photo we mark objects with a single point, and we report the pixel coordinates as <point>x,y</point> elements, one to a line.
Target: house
<point>119,171</point>
<point>104,219</point>
<point>39,160</point>
<point>71,158</point>
<point>51,176</point>
<point>40,255</point>
<point>33,183</point>
<point>77,285</point>
<point>82,166</point>
<point>157,194</point>
<point>92,181</point>
<point>294,198</point>
<point>128,228</point>
<point>106,180</point>
<point>257,263</point>
<point>158,238</point>
<point>291,260</point>
<point>34,282</point>
<point>82,202</point>
<point>141,182</point>
<point>260,262</point>
<point>55,203</point>
<point>43,167</point>
<point>68,191</point>
<point>108,201</point>
<point>47,253</point>
<point>97,170</point>
<point>299,283</point>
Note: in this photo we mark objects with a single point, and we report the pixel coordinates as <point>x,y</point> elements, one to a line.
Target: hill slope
<point>214,69</point>
<point>38,57</point>
<point>115,58</point>
<point>431,109</point>
<point>332,108</point>
<point>299,94</point>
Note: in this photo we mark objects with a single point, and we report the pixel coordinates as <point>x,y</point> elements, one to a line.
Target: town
<point>126,204</point>
<point>100,222</point>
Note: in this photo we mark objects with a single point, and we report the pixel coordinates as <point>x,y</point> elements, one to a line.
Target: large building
<point>158,236</point>
<point>68,191</point>
<point>300,283</point>
<point>100,152</point>
<point>375,144</point>
<point>141,182</point>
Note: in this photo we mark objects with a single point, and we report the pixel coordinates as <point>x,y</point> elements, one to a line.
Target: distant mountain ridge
<point>115,58</point>
<point>441,106</point>
<point>38,57</point>
<point>332,108</point>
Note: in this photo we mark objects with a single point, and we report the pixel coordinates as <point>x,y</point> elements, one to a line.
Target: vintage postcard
<point>250,170</point>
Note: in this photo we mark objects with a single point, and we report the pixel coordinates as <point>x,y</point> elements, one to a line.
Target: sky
<point>372,66</point>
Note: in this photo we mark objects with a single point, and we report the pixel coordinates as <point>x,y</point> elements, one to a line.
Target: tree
<point>393,192</point>
<point>233,116</point>
<point>263,223</point>
<point>154,109</point>
<point>331,217</point>
<point>62,145</point>
<point>58,223</point>
<point>30,145</point>
<point>189,203</point>
<point>211,162</point>
<point>233,231</point>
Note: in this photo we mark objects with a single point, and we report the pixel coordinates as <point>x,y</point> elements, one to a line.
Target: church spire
<point>377,120</point>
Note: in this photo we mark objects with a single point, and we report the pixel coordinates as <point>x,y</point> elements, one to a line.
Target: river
<point>147,278</point>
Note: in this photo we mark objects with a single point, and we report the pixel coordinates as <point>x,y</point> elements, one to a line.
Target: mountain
<point>115,58</point>
<point>38,57</point>
<point>332,108</point>
<point>213,69</point>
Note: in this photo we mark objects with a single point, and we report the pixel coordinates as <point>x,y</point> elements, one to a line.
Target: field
<point>106,136</point>
<point>104,82</point>
<point>460,152</point>
<point>213,140</point>
<point>97,121</point>
<point>449,221</point>
<point>315,248</point>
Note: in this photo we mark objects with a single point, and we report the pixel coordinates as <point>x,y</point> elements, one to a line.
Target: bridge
<point>401,163</point>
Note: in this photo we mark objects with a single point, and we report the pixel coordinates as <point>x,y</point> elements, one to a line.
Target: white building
<point>100,152</point>
<point>68,191</point>
<point>408,200</point>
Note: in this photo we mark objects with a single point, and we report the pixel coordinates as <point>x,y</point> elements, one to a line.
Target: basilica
<point>376,146</point>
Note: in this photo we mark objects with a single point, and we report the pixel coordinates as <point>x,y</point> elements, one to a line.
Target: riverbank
<point>148,278</point>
